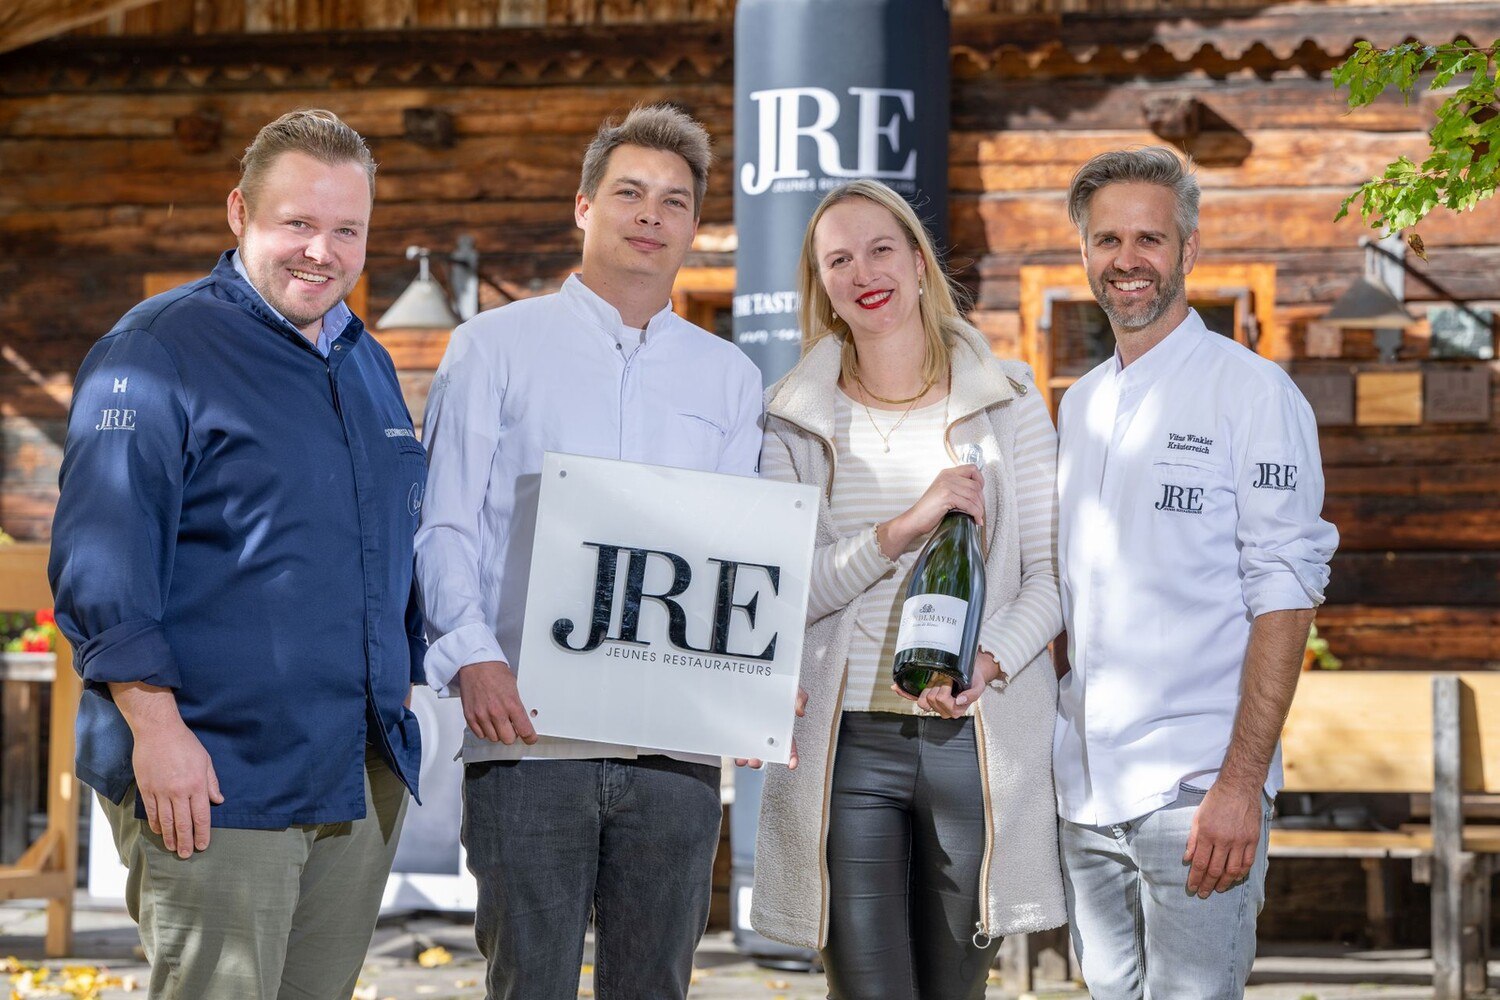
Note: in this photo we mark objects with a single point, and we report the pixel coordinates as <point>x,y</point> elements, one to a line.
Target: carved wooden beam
<point>25,21</point>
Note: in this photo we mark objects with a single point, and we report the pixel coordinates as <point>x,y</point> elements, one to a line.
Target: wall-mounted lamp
<point>1369,304</point>
<point>425,305</point>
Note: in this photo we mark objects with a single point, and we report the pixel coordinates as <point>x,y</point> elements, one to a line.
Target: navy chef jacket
<point>235,523</point>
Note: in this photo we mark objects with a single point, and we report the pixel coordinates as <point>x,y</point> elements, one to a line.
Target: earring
<point>921,289</point>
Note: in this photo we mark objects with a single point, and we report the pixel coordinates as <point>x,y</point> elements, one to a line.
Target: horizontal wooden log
<point>1231,220</point>
<point>1382,579</point>
<point>1014,161</point>
<point>1461,522</point>
<point>1419,481</point>
<point>376,113</point>
<point>1303,276</point>
<point>1451,635</point>
<point>509,227</point>
<point>1290,100</point>
<point>1398,449</point>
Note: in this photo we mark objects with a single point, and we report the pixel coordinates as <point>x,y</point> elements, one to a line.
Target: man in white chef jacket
<point>1192,556</point>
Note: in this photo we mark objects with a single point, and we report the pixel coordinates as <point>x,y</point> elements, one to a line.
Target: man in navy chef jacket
<point>232,561</point>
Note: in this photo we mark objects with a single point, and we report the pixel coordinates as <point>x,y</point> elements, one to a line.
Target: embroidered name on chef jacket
<point>1189,442</point>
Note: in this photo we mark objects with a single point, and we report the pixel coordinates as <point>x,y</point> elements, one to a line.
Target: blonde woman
<point>910,837</point>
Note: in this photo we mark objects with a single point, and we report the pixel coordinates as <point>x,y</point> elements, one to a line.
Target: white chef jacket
<point>1189,487</point>
<point>552,374</point>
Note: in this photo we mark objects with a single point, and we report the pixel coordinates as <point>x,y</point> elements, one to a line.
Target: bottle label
<point>932,621</point>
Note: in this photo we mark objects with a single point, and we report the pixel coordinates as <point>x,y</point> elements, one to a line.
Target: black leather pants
<point>905,846</point>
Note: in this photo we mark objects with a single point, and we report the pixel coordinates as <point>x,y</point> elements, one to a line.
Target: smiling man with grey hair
<point>1191,554</point>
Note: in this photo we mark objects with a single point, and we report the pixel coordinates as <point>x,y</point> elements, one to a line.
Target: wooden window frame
<point>1251,287</point>
<point>699,292</point>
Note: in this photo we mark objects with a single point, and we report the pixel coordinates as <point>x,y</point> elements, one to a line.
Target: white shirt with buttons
<point>555,373</point>
<point>1190,488</point>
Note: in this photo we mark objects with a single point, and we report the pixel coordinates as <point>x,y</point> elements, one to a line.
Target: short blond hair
<point>314,132</point>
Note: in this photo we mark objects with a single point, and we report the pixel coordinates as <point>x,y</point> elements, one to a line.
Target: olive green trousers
<point>262,914</point>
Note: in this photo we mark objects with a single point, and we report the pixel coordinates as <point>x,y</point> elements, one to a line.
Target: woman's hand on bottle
<point>939,699</point>
<point>960,488</point>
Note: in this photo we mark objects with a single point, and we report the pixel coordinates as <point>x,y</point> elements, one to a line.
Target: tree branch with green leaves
<point>1463,165</point>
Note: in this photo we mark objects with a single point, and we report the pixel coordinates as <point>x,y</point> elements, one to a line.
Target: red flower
<point>40,645</point>
<point>46,617</point>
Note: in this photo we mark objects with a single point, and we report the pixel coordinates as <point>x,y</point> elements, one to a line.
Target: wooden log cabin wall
<point>120,122</point>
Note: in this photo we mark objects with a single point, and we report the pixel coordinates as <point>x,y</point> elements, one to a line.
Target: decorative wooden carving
<point>1176,118</point>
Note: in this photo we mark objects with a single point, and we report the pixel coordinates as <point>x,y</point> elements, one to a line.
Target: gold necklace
<point>885,436</point>
<point>893,402</point>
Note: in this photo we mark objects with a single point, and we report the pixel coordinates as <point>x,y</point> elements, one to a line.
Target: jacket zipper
<point>984,926</point>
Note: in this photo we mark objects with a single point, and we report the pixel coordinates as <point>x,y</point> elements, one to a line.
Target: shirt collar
<point>334,320</point>
<point>588,305</point>
<point>1165,355</point>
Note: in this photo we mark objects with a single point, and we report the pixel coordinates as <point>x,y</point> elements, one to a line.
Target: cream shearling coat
<point>1023,883</point>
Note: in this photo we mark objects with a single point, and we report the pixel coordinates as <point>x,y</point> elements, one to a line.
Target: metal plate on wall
<point>1331,395</point>
<point>1457,395</point>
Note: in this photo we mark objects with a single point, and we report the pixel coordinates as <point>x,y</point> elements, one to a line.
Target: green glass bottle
<point>939,632</point>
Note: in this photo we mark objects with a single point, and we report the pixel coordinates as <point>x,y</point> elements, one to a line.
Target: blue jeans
<point>629,843</point>
<point>1137,931</point>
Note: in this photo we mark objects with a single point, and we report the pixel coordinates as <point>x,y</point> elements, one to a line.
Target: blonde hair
<point>940,306</point>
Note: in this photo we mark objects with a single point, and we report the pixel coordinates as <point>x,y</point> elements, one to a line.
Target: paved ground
<point>106,938</point>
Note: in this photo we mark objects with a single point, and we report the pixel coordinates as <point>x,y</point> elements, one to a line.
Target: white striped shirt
<point>873,486</point>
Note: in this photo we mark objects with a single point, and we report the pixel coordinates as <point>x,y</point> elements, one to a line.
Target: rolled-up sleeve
<point>461,429</point>
<point>1285,545</point>
<point>114,535</point>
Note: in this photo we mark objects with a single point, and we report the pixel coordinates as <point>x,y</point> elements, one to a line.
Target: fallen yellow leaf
<point>433,957</point>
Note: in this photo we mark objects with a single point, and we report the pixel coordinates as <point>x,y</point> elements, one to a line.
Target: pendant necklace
<point>885,436</point>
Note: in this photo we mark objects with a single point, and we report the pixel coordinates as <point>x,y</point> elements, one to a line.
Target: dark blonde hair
<point>940,306</point>
<point>312,132</point>
<point>653,126</point>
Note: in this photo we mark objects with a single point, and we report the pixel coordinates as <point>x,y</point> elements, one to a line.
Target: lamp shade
<point>1367,306</point>
<point>422,306</point>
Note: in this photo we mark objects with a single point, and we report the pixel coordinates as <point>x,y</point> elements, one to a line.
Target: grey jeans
<point>629,843</point>
<point>906,831</point>
<point>1137,931</point>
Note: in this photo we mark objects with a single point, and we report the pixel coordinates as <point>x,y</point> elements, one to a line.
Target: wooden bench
<point>1415,733</point>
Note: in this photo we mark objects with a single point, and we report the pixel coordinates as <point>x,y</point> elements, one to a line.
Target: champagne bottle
<point>939,632</point>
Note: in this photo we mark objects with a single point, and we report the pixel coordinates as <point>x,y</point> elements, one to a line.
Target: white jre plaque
<point>666,608</point>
